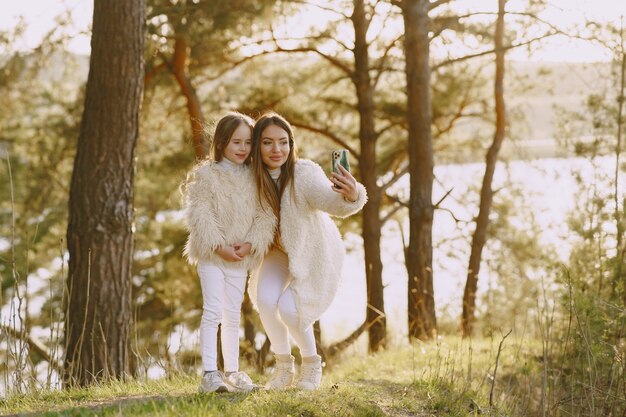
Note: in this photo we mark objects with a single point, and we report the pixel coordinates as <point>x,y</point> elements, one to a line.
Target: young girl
<point>300,274</point>
<point>226,238</point>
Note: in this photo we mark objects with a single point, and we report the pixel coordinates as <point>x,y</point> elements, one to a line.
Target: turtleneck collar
<point>228,165</point>
<point>274,173</point>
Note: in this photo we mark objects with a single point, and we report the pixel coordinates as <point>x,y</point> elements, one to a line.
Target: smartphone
<point>339,157</point>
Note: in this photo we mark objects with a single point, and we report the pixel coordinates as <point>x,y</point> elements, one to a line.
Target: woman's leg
<point>212,282</point>
<point>305,338</point>
<point>311,369</point>
<point>234,286</point>
<point>273,278</point>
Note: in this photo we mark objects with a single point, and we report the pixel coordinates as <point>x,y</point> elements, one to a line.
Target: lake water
<point>548,191</point>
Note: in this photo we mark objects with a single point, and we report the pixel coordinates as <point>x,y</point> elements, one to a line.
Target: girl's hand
<point>242,249</point>
<point>228,253</point>
<point>345,184</point>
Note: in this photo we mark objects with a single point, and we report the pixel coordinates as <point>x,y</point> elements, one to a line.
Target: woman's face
<point>274,146</point>
<point>240,145</point>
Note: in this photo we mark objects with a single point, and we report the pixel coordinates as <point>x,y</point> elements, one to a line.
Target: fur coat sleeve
<point>262,231</point>
<point>205,231</point>
<point>317,190</point>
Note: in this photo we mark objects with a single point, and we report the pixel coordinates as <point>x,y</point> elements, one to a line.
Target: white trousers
<point>277,307</point>
<point>222,294</point>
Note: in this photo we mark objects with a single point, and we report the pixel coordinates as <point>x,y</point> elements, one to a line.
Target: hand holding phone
<point>343,182</point>
<point>339,157</point>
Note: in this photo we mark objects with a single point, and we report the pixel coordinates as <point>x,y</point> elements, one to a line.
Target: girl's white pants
<point>222,294</point>
<point>277,307</point>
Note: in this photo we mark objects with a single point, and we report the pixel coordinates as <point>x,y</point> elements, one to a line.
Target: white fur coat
<point>221,208</point>
<point>312,240</point>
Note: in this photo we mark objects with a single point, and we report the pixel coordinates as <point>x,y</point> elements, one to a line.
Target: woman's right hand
<point>228,253</point>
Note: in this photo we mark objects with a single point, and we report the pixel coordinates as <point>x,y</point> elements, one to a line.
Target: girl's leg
<point>273,278</point>
<point>234,287</point>
<point>212,282</point>
<point>305,338</point>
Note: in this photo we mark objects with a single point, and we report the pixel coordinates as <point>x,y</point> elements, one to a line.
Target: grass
<point>447,378</point>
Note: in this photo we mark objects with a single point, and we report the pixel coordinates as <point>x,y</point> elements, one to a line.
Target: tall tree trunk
<point>486,193</point>
<point>375,314</point>
<point>100,230</point>
<point>178,67</point>
<point>421,302</point>
<point>620,214</point>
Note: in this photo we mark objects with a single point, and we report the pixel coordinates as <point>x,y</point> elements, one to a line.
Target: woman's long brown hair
<point>268,193</point>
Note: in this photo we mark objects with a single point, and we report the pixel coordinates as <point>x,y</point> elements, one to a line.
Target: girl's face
<point>274,146</point>
<point>240,145</point>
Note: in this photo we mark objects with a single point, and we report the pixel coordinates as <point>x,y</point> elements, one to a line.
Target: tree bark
<point>178,67</point>
<point>422,322</point>
<point>100,230</point>
<point>619,214</point>
<point>486,193</point>
<point>375,313</point>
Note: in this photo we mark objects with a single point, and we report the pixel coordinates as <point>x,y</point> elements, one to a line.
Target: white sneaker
<point>284,371</point>
<point>213,382</point>
<point>310,373</point>
<point>240,382</point>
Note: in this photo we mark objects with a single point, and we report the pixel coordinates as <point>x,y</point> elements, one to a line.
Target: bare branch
<point>436,206</point>
<point>493,380</point>
<point>456,219</point>
<point>393,211</point>
<point>322,7</point>
<point>397,200</point>
<point>326,133</point>
<point>343,344</point>
<point>490,51</point>
<point>386,128</point>
<point>153,73</point>
<point>525,14</point>
<point>329,84</point>
<point>34,346</point>
<point>237,63</point>
<point>395,178</point>
<point>381,63</point>
<point>259,42</point>
<point>437,3</point>
<point>386,17</point>
<point>332,60</point>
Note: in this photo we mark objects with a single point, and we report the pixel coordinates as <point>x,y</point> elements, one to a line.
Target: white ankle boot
<point>284,371</point>
<point>310,373</point>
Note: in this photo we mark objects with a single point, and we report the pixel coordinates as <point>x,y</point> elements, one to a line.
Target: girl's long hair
<point>224,130</point>
<point>268,193</point>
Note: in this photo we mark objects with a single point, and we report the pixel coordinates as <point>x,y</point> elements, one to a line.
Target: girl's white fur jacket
<point>221,209</point>
<point>312,240</point>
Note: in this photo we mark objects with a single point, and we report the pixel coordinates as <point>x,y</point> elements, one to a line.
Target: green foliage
<point>38,134</point>
<point>587,373</point>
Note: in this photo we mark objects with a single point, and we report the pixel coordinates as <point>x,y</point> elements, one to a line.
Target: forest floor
<point>449,377</point>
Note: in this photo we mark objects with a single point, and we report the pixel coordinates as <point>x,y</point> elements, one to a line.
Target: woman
<point>300,274</point>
